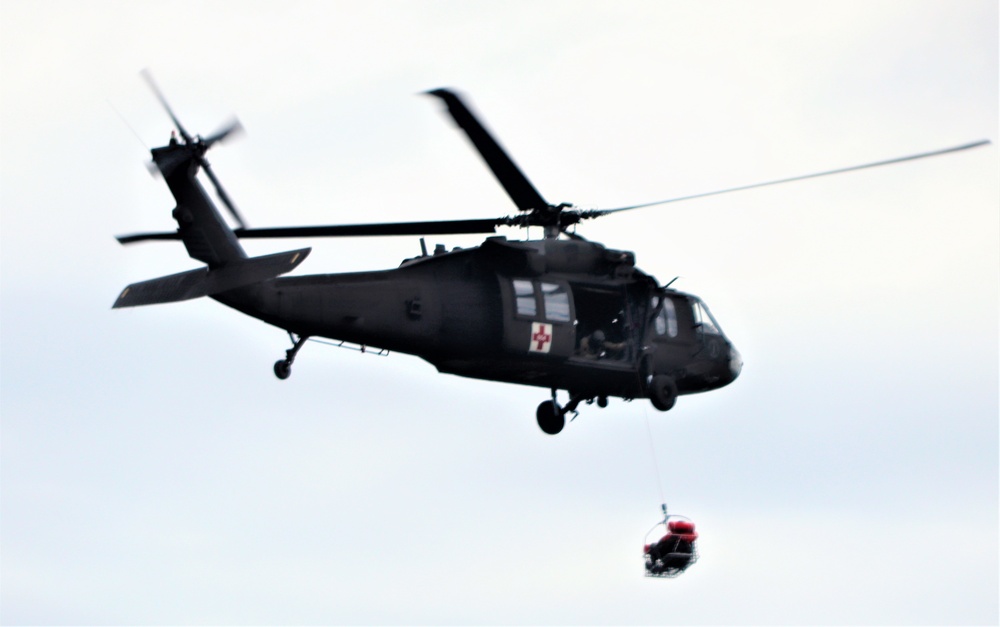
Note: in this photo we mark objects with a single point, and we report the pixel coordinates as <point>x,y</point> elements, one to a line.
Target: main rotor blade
<point>147,237</point>
<point>442,227</point>
<point>601,212</point>
<point>226,200</point>
<point>163,101</point>
<point>514,182</point>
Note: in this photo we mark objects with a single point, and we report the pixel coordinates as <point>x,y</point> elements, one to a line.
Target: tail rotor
<point>200,146</point>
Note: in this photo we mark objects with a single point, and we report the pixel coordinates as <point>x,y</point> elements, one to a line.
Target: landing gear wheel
<point>550,418</point>
<point>662,392</point>
<point>282,369</point>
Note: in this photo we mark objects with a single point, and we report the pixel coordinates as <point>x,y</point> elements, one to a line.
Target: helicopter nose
<point>735,362</point>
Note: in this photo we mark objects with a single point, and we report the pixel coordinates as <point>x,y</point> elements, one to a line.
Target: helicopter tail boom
<point>207,282</point>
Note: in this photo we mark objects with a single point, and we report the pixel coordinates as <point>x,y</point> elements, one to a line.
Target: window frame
<point>550,297</point>
<point>541,300</point>
<point>522,296</point>
<point>665,324</point>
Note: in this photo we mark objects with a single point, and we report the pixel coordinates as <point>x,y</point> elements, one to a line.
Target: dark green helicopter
<point>557,313</point>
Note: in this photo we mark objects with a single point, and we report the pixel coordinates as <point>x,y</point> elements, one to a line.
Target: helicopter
<point>562,313</point>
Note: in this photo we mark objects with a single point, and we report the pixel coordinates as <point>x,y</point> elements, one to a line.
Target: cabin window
<point>556,302</point>
<point>524,296</point>
<point>666,320</point>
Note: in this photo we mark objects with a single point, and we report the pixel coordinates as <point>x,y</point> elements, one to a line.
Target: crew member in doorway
<point>596,346</point>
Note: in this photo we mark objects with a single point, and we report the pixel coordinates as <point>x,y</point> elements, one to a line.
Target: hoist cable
<point>656,463</point>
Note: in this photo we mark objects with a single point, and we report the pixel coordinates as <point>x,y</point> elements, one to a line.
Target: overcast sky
<point>155,471</point>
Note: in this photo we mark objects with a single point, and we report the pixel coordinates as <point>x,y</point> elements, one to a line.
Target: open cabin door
<point>538,317</point>
<point>552,317</point>
<point>610,322</point>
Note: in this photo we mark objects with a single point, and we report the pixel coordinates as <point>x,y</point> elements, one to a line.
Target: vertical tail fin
<point>201,227</point>
<point>205,234</point>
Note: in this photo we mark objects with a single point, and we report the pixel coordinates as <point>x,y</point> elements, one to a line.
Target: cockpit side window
<point>703,319</point>
<point>666,320</point>
<point>556,301</point>
<point>524,296</point>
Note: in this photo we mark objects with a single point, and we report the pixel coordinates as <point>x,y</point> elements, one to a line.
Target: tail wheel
<point>662,392</point>
<point>550,418</point>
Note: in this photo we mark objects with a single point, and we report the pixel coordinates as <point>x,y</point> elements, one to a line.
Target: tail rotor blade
<point>147,75</point>
<point>223,196</point>
<point>233,129</point>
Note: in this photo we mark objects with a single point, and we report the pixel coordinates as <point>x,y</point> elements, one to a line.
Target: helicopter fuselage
<point>519,312</point>
<point>563,314</point>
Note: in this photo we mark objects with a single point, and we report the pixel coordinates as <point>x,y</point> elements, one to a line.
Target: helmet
<point>681,526</point>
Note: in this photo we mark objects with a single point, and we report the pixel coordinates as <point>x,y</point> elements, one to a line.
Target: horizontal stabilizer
<point>205,282</point>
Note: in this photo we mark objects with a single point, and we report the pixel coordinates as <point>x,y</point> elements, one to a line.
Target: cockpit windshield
<point>703,318</point>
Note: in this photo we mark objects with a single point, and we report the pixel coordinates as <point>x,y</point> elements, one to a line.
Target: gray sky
<point>155,471</point>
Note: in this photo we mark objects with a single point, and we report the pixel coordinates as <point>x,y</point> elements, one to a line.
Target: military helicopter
<point>560,313</point>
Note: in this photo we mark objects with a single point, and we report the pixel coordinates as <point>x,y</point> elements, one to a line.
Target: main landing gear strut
<point>283,367</point>
<point>552,418</point>
<point>661,390</point>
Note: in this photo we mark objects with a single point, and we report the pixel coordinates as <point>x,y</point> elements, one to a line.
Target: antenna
<point>125,122</point>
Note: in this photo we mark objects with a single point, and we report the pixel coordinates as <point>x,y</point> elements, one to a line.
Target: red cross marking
<point>542,337</point>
